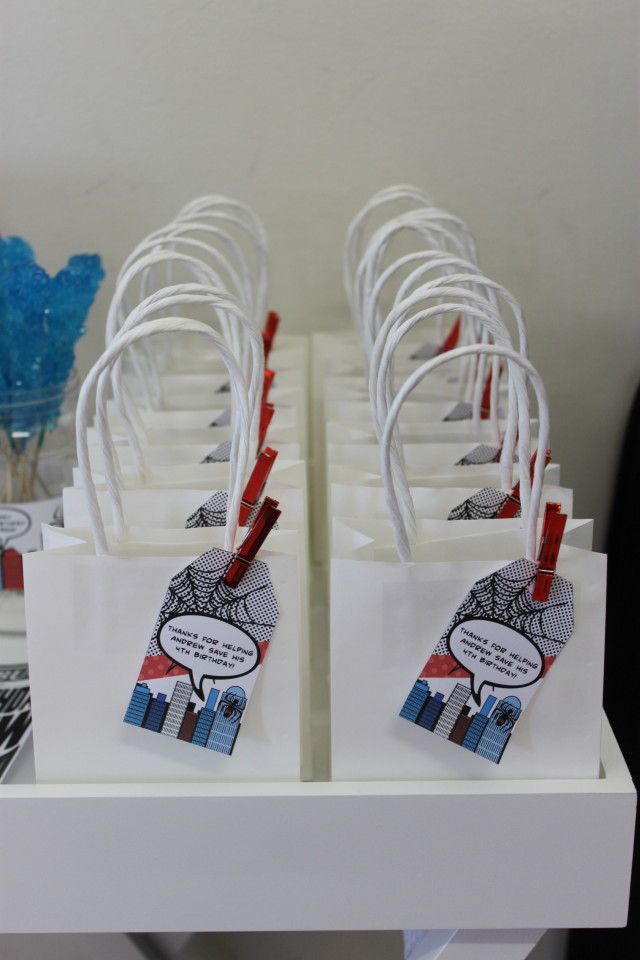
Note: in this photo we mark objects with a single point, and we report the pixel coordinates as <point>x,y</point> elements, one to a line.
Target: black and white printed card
<point>15,713</point>
<point>205,653</point>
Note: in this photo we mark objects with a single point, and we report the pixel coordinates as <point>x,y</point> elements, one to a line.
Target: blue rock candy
<point>41,319</point>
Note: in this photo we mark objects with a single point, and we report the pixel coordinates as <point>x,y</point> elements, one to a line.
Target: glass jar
<point>37,452</point>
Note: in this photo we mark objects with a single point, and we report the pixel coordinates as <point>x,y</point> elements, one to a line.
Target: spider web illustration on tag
<point>205,653</point>
<point>213,512</point>
<point>484,504</point>
<point>491,659</point>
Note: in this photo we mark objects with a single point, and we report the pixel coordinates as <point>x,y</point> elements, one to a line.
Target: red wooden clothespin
<point>256,483</point>
<point>452,337</point>
<point>266,416</point>
<point>512,504</point>
<point>270,328</point>
<point>485,406</point>
<point>257,534</point>
<point>269,377</point>
<point>552,530</point>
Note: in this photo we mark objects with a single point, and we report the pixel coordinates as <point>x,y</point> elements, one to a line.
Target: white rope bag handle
<point>175,238</point>
<point>164,246</point>
<point>355,230</point>
<point>495,293</point>
<point>440,240</point>
<point>150,379</point>
<point>202,272</point>
<point>238,464</point>
<point>370,267</point>
<point>186,227</point>
<point>240,425</point>
<point>399,323</point>
<point>258,276</point>
<point>432,225</point>
<point>381,392</point>
<point>441,229</point>
<point>179,295</point>
<point>530,493</point>
<point>425,262</point>
<point>254,224</point>
<point>178,239</point>
<point>213,201</point>
<point>470,380</point>
<point>481,289</point>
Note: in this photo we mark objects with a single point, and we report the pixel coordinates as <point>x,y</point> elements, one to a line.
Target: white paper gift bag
<point>91,617</point>
<point>389,618</point>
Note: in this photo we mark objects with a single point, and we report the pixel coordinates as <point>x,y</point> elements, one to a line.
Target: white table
<point>320,856</point>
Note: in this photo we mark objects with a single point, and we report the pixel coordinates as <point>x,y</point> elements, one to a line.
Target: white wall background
<point>520,117</point>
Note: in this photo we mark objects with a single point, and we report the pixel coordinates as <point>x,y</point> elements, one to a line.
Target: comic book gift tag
<point>491,659</point>
<point>205,653</point>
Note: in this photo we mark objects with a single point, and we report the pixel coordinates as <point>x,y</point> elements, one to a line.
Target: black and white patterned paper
<point>15,713</point>
<point>483,453</point>
<point>213,512</point>
<point>484,504</point>
<point>461,411</point>
<point>219,454</point>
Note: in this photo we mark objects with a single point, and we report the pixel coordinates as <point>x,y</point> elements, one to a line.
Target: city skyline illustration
<point>485,732</point>
<point>215,726</point>
<point>168,694</point>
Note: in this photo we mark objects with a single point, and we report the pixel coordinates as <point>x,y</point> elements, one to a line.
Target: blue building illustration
<point>157,713</point>
<point>415,702</point>
<point>138,705</point>
<point>228,718</point>
<point>431,712</point>
<point>205,719</point>
<point>452,710</point>
<point>497,731</point>
<point>477,725</point>
<point>177,708</point>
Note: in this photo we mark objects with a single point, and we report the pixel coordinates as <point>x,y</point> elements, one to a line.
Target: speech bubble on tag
<point>208,647</point>
<point>13,523</point>
<point>495,655</point>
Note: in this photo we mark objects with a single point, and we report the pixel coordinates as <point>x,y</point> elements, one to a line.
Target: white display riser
<point>317,856</point>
